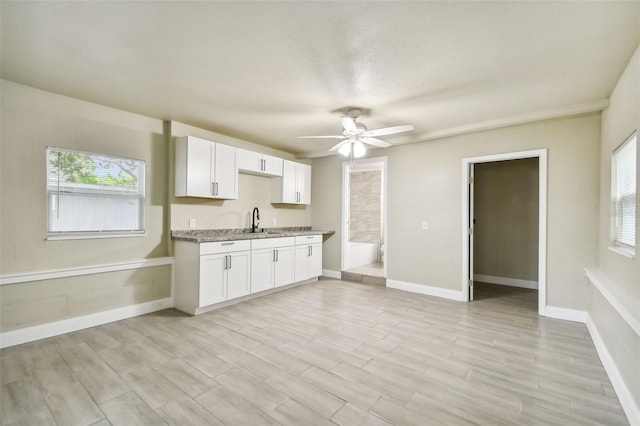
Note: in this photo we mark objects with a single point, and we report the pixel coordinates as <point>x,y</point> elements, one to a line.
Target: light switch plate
<point>425,226</point>
<point>192,223</point>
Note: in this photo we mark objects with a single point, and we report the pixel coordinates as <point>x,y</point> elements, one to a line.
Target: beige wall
<point>425,184</point>
<point>31,120</point>
<point>506,213</point>
<point>253,191</point>
<point>622,274</point>
<point>618,122</point>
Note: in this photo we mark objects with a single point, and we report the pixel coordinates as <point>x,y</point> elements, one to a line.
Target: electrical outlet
<point>425,226</point>
<point>274,222</point>
<point>192,223</point>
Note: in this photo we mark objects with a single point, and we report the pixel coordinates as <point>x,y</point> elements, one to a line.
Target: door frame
<point>467,251</point>
<point>345,208</point>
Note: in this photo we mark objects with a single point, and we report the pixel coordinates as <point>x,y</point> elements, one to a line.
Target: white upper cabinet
<point>205,169</point>
<point>259,164</point>
<point>294,187</point>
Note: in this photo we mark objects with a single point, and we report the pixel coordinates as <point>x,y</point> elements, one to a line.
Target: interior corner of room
<point>523,202</point>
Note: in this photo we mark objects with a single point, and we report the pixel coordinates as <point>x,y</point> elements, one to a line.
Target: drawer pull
<point>228,244</point>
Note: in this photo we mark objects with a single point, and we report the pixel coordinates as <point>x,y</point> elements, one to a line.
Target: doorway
<point>364,220</point>
<point>500,267</point>
<point>505,232</point>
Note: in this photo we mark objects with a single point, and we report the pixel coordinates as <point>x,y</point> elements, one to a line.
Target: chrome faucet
<point>255,219</point>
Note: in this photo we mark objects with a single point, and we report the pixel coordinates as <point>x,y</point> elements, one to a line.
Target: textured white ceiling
<point>271,71</point>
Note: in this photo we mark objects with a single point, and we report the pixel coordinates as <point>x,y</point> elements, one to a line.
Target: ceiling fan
<point>355,135</point>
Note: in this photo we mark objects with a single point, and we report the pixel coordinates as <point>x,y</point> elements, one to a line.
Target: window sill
<point>630,253</point>
<point>59,237</point>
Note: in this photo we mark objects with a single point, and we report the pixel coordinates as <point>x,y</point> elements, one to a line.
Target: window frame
<point>616,245</point>
<point>140,195</point>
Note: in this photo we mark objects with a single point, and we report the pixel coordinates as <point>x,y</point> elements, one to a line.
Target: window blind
<point>94,193</point>
<point>624,191</point>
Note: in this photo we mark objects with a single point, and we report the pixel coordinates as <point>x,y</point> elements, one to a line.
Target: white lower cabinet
<point>308,258</point>
<point>271,263</point>
<point>207,274</point>
<point>210,273</point>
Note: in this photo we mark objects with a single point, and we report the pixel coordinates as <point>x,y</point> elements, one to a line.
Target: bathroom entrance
<point>364,220</point>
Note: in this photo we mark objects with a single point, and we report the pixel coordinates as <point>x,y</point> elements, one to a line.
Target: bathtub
<point>359,254</point>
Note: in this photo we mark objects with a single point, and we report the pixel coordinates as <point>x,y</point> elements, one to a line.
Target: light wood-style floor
<point>331,352</point>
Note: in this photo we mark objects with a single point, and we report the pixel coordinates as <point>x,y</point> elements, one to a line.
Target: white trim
<point>567,111</point>
<point>42,331</point>
<point>602,284</point>
<point>595,106</point>
<point>513,282</point>
<point>624,394</point>
<point>25,277</point>
<point>623,251</point>
<point>331,274</point>
<point>426,289</point>
<point>566,314</point>
<point>98,235</point>
<point>541,154</point>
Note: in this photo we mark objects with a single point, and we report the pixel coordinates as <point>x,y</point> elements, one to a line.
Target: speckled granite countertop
<point>212,235</point>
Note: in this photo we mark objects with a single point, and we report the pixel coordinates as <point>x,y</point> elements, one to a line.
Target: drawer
<point>224,246</point>
<point>272,242</point>
<point>308,239</point>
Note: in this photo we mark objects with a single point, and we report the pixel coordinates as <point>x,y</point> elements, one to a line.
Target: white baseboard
<point>513,282</point>
<point>428,290</point>
<point>42,331</point>
<point>331,274</point>
<point>627,401</point>
<point>565,314</point>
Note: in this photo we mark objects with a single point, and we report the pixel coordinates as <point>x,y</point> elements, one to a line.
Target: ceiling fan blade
<point>348,123</point>
<point>375,142</point>
<point>338,145</point>
<point>389,130</point>
<point>321,137</point>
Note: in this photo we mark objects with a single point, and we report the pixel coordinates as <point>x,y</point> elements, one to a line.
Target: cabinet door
<point>304,184</point>
<point>289,185</point>
<point>262,265</point>
<point>249,161</point>
<point>272,165</point>
<point>238,274</point>
<point>301,269</point>
<point>226,172</point>
<point>199,173</point>
<point>315,261</point>
<point>212,279</point>
<point>284,266</point>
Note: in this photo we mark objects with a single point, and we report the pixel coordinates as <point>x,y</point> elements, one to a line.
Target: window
<point>93,195</point>
<point>623,194</point>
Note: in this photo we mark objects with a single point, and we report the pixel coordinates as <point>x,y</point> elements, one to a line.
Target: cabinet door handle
<point>311,250</point>
<point>216,188</point>
<point>263,164</point>
<point>274,256</point>
<point>229,261</point>
<point>226,263</point>
<point>213,188</point>
<point>277,256</point>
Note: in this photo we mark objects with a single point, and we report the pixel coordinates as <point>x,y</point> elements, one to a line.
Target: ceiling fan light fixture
<point>358,149</point>
<point>345,149</point>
